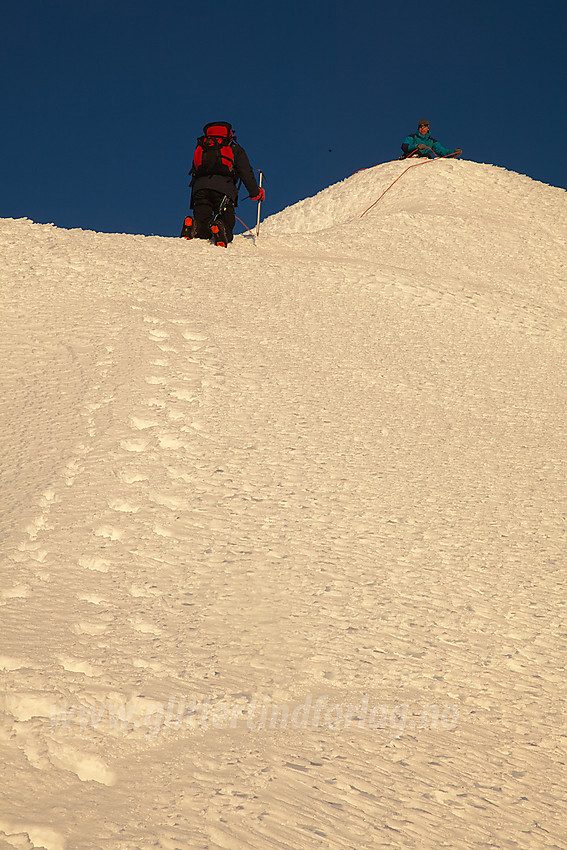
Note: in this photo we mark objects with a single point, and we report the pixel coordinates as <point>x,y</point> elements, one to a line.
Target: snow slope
<point>284,525</point>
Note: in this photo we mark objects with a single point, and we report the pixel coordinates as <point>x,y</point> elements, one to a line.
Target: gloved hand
<point>261,196</point>
<point>422,147</point>
<point>458,152</point>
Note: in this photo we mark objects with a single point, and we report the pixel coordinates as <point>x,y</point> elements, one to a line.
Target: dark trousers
<point>206,203</point>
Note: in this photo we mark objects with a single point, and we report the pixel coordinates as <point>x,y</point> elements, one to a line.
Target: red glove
<point>261,196</point>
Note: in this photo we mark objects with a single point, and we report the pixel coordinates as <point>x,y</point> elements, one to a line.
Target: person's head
<point>423,127</point>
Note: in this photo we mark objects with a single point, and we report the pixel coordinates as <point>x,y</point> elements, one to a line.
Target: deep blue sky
<point>102,100</point>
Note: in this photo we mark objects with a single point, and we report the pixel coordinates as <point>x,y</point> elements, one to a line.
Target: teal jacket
<point>411,142</point>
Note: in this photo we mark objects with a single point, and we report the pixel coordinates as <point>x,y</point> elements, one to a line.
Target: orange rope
<point>243,223</point>
<point>413,165</point>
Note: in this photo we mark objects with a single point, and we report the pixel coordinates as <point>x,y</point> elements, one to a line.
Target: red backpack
<point>214,153</point>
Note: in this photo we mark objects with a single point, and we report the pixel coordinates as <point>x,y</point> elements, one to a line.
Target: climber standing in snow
<point>219,163</point>
<point>422,143</point>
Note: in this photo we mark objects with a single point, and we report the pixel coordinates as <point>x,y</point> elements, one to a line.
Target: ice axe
<point>259,204</point>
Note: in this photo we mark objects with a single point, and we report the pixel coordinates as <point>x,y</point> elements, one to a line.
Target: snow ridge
<point>283,525</point>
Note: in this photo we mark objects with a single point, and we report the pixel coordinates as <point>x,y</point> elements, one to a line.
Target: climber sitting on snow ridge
<point>422,143</point>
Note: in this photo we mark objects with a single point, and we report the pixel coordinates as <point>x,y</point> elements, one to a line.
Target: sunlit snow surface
<point>284,525</point>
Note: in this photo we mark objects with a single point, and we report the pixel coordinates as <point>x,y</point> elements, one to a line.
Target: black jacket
<point>228,185</point>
